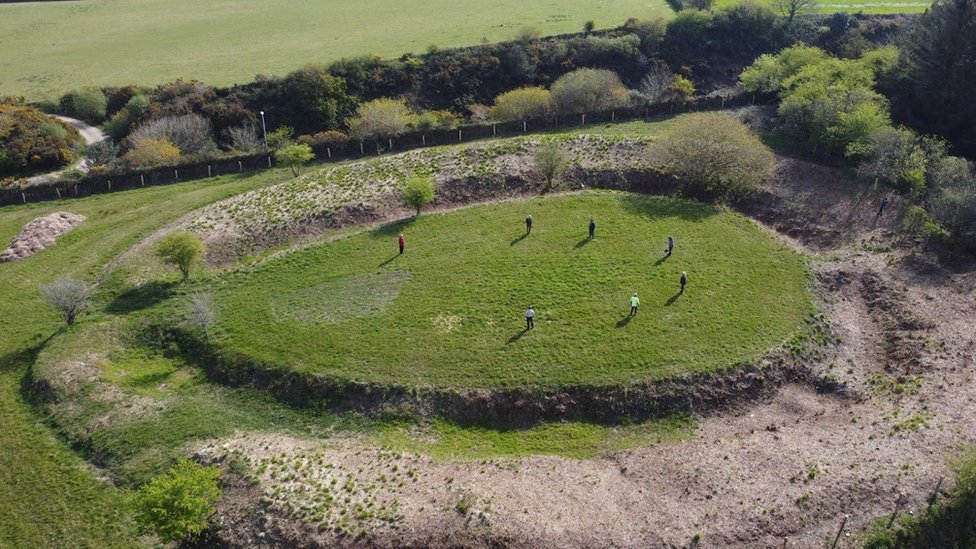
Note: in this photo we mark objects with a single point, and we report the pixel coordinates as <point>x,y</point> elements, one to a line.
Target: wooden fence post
<point>209,173</point>
<point>58,190</point>
<point>109,181</point>
<point>361,151</point>
<point>240,166</point>
<point>459,135</point>
<point>142,180</point>
<point>494,132</point>
<point>176,173</point>
<point>23,197</point>
<point>524,126</point>
<point>423,140</point>
<point>583,119</point>
<point>269,161</point>
<point>328,151</point>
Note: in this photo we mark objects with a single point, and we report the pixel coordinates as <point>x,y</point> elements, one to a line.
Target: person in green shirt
<point>634,303</point>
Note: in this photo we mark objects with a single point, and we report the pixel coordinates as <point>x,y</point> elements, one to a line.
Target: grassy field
<point>48,496</point>
<point>47,48</point>
<point>856,6</point>
<point>449,311</point>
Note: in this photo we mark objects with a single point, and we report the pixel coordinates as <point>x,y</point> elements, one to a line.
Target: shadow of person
<point>388,261</point>
<point>517,336</point>
<point>518,239</point>
<point>662,260</point>
<point>624,321</point>
<point>583,242</point>
<point>673,298</point>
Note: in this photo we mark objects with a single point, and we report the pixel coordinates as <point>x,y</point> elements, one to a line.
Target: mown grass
<point>457,321</point>
<point>48,496</point>
<point>51,47</point>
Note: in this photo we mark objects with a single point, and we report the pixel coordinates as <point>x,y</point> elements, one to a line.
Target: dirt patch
<point>39,234</point>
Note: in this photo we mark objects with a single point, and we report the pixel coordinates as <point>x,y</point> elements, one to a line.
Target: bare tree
<point>658,85</point>
<point>69,296</point>
<point>201,312</point>
<point>790,9</point>
<point>191,133</point>
<point>245,138</point>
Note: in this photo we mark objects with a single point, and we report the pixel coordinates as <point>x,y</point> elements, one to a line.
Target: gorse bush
<point>589,90</point>
<point>33,141</point>
<point>151,153</point>
<point>522,103</point>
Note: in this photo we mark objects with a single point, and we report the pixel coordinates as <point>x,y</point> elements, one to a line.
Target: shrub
<point>651,33</point>
<point>280,137</point>
<point>953,200</point>
<point>588,27</point>
<point>180,249</point>
<point>528,34</point>
<point>294,156</point>
<point>33,141</point>
<point>245,138</point>
<point>418,192</point>
<point>435,120</point>
<point>88,104</point>
<point>521,104</point>
<point>900,158</point>
<point>201,313</point>
<point>714,152</point>
<point>190,133</point>
<point>768,72</point>
<point>330,138</point>
<point>315,98</point>
<point>178,504</point>
<point>589,90</point>
<point>152,153</point>
<point>550,161</point>
<point>380,118</point>
<point>102,153</point>
<point>69,296</point>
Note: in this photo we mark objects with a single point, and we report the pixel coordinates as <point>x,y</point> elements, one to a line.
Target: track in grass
<point>456,320</point>
<point>49,48</point>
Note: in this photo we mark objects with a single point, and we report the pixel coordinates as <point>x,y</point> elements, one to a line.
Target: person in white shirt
<point>530,318</point>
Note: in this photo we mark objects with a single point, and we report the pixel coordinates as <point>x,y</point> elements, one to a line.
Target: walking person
<point>402,243</point>
<point>528,225</point>
<point>884,204</point>
<point>670,247</point>
<point>634,303</point>
<point>683,280</point>
<point>529,318</point>
<point>592,228</point>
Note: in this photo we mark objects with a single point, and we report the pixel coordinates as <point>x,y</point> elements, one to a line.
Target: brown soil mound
<point>39,234</point>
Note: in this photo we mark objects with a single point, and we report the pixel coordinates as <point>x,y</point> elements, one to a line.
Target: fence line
<point>350,149</point>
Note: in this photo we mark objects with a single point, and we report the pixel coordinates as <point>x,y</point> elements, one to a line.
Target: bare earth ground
<point>791,466</point>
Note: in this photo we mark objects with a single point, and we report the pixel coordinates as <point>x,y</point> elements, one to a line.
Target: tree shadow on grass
<point>624,321</point>
<point>583,242</point>
<point>388,261</point>
<point>517,336</point>
<point>140,297</point>
<point>673,298</point>
<point>518,239</point>
<point>392,228</point>
<point>658,207</point>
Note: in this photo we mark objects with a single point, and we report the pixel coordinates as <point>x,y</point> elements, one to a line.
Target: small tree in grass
<point>201,314</point>
<point>419,191</point>
<point>69,296</point>
<point>180,249</point>
<point>550,160</point>
<point>178,504</point>
<point>294,156</point>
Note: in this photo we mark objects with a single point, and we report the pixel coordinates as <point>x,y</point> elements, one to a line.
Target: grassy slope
<point>47,498</point>
<point>473,276</point>
<point>856,6</point>
<point>47,48</point>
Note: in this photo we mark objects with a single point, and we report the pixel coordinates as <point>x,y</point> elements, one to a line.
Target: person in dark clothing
<point>402,242</point>
<point>528,225</point>
<point>529,318</point>
<point>592,227</point>
<point>683,280</point>
<point>670,247</point>
<point>884,204</point>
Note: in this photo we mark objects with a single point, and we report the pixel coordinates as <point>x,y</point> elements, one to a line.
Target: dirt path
<point>789,467</point>
<point>90,134</point>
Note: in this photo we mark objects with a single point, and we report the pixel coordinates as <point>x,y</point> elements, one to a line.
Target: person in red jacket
<point>402,242</point>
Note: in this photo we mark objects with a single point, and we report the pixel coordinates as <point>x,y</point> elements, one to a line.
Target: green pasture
<point>449,311</point>
<point>48,48</point>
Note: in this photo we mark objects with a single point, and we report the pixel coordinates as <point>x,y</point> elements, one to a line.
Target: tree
<point>588,27</point>
<point>380,119</point>
<point>522,103</point>
<point>201,313</point>
<point>953,200</point>
<point>791,9</point>
<point>89,104</point>
<point>419,191</point>
<point>190,133</point>
<point>69,296</point>
<point>315,97</point>
<point>180,249</point>
<point>714,152</point>
<point>101,153</point>
<point>294,156</point>
<point>937,52</point>
<point>550,160</point>
<point>589,90</point>
<point>768,72</point>
<point>245,138</point>
<point>150,153</point>
<point>178,504</point>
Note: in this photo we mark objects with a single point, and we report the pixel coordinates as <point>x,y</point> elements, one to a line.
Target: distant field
<point>47,48</point>
<point>857,6</point>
